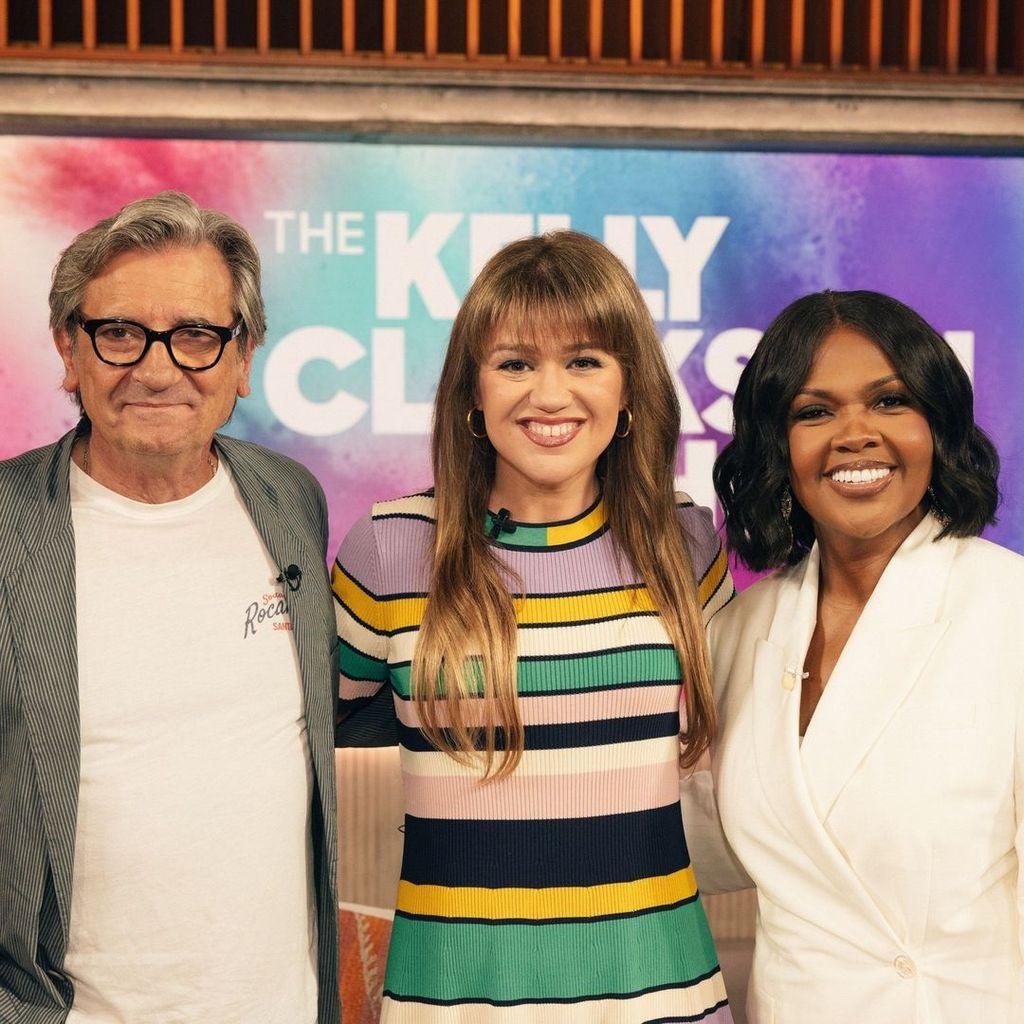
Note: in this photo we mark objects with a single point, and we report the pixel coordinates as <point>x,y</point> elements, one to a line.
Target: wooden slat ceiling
<point>978,39</point>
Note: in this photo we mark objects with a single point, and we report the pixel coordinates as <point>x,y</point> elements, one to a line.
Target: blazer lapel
<point>778,661</point>
<point>41,598</point>
<point>880,665</point>
<point>778,664</point>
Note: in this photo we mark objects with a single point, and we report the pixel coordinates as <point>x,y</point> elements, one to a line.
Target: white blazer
<point>887,847</point>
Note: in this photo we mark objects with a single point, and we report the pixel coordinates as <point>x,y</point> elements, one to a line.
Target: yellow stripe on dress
<point>571,532</point>
<point>547,904</point>
<point>713,579</point>
<point>574,608</point>
<point>401,613</point>
<point>384,615</point>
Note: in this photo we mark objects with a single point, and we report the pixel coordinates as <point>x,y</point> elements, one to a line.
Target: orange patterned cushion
<point>364,941</point>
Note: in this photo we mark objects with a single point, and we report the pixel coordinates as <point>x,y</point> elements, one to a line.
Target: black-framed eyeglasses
<point>194,347</point>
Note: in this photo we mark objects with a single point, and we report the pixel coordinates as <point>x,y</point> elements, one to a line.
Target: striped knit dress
<point>563,893</point>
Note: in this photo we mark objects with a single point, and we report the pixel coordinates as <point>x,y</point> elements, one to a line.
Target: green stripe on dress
<point>521,962</point>
<point>581,671</point>
<point>354,664</point>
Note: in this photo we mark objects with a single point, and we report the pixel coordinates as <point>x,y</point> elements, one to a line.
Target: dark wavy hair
<point>752,471</point>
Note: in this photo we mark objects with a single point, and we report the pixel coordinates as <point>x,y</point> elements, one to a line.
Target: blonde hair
<point>567,285</point>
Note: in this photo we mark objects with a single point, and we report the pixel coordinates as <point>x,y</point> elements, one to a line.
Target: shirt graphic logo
<point>269,609</point>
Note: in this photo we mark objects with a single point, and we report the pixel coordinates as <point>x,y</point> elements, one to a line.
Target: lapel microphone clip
<point>502,524</point>
<point>290,575</point>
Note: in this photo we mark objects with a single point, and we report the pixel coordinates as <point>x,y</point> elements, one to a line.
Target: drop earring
<point>786,508</point>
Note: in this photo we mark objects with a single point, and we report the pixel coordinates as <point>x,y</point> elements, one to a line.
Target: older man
<point>167,823</point>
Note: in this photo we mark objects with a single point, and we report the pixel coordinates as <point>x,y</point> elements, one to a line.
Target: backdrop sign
<point>368,249</point>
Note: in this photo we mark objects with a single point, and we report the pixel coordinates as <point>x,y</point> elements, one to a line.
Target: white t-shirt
<point>192,899</point>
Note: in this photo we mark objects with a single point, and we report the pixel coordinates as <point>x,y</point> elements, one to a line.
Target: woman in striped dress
<point>535,615</point>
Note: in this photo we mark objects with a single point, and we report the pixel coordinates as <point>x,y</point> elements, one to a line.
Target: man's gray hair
<point>158,222</point>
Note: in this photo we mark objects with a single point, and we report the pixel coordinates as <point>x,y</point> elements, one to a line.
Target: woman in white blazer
<point>869,772</point>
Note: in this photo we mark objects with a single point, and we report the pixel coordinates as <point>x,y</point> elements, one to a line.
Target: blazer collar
<point>908,593</point>
<point>268,509</point>
<point>40,521</point>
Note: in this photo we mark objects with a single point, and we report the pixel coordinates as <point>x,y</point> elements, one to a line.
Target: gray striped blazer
<point>39,725</point>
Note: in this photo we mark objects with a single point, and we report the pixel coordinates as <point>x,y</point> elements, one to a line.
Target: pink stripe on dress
<point>349,689</point>
<point>542,796</point>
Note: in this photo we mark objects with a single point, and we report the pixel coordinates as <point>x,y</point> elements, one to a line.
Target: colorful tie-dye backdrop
<point>368,248</point>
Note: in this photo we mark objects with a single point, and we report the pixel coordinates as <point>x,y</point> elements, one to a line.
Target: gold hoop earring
<point>619,430</point>
<point>469,423</point>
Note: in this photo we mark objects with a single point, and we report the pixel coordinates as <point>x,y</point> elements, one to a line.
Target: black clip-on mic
<point>292,575</point>
<point>502,524</point>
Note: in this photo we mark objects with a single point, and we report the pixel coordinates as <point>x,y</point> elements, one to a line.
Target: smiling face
<point>550,411</point>
<point>154,408</point>
<point>860,447</point>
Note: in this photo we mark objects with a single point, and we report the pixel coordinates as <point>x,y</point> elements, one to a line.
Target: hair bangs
<point>537,319</point>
